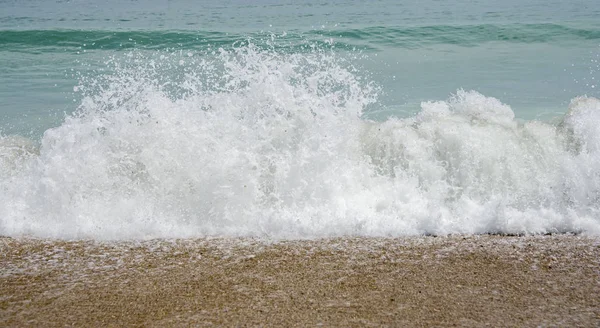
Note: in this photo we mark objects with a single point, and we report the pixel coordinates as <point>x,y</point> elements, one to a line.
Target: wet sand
<point>426,281</point>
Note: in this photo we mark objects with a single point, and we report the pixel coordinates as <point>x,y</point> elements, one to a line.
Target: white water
<point>257,143</point>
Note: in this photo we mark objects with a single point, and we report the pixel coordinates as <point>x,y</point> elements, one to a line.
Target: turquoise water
<point>533,55</point>
<point>128,119</point>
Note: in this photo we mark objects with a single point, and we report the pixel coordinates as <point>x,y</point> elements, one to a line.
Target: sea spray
<point>254,142</point>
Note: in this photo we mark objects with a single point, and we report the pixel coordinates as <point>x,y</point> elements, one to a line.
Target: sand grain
<point>426,281</point>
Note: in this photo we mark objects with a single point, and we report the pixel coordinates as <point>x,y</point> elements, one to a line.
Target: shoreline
<point>411,281</point>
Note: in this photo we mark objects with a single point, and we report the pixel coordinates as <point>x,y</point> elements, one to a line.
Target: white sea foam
<point>256,143</point>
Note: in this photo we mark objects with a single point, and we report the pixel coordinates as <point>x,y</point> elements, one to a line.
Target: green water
<point>533,55</point>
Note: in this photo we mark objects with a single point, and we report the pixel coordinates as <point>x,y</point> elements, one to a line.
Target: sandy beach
<point>426,281</point>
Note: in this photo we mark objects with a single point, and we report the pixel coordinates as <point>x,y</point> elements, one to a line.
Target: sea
<point>124,120</point>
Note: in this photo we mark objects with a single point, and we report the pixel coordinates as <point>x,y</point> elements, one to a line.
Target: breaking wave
<point>254,142</point>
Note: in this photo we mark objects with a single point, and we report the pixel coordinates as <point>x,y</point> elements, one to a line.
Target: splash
<point>251,142</point>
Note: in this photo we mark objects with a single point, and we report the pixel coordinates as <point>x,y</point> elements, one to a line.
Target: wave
<point>467,35</point>
<point>269,144</point>
<point>366,38</point>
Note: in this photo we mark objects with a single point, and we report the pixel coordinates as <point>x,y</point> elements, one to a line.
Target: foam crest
<point>478,171</point>
<point>249,142</point>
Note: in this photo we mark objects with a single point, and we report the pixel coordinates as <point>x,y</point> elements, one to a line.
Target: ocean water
<point>277,119</point>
